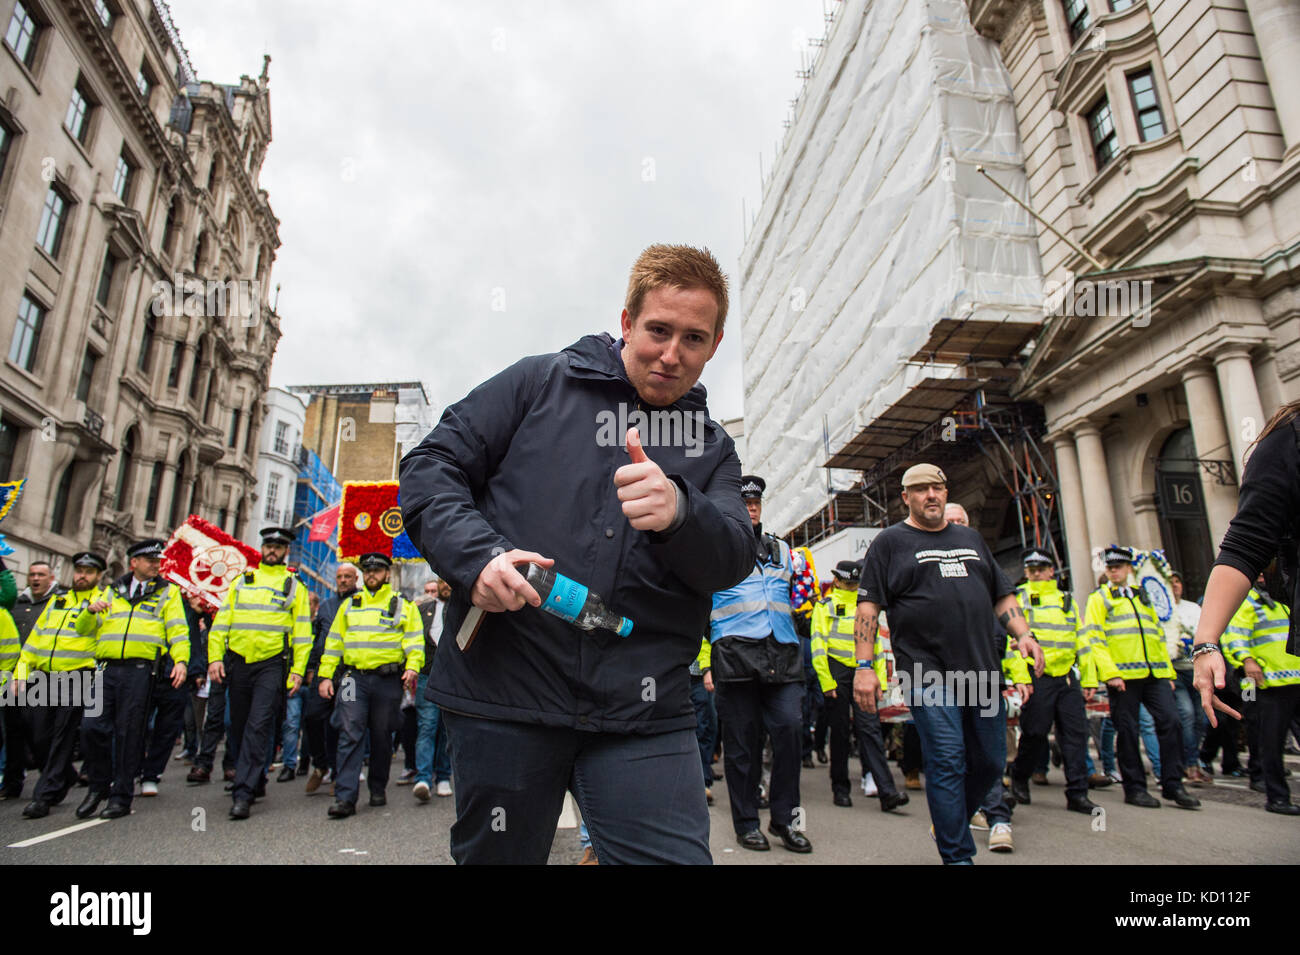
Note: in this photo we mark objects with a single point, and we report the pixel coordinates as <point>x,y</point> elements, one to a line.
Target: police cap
<point>1036,555</point>
<point>149,547</point>
<point>752,487</point>
<point>375,561</point>
<point>850,570</point>
<point>1114,554</point>
<point>276,535</point>
<point>86,559</point>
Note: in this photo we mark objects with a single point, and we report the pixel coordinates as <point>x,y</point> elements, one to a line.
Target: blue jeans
<point>1190,716</point>
<point>431,760</point>
<point>1147,727</point>
<point>964,754</point>
<point>292,725</point>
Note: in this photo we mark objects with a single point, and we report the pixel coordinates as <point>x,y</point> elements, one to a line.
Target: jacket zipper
<point>1151,671</point>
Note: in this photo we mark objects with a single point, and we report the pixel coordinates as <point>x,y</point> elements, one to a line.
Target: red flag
<point>323,524</point>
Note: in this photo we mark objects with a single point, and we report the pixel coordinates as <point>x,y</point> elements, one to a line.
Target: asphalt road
<point>188,824</point>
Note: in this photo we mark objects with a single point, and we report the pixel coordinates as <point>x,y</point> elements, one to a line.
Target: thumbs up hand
<point>649,497</point>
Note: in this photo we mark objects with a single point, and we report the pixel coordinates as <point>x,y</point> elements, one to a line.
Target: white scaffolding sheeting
<point>875,226</point>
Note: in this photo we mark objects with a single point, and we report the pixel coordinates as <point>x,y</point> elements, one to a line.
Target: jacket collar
<point>380,596</point>
<point>123,585</point>
<point>601,357</point>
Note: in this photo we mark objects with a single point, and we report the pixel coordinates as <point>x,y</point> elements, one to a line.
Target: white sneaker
<point>148,788</point>
<point>869,786</point>
<point>421,791</point>
<point>444,788</point>
<point>1000,838</point>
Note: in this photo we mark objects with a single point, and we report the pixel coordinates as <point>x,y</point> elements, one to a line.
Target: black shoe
<point>1257,785</point>
<point>260,791</point>
<point>1020,791</point>
<point>198,775</point>
<point>341,810</point>
<point>303,768</point>
<point>792,840</point>
<point>1279,807</point>
<point>1056,755</point>
<point>821,755</point>
<point>808,762</point>
<point>1182,798</point>
<point>115,810</point>
<point>90,804</point>
<point>842,799</point>
<point>241,809</point>
<point>1080,804</point>
<point>378,799</point>
<point>1142,798</point>
<point>36,809</point>
<point>888,803</point>
<point>754,840</point>
<point>287,775</point>
<point>717,777</point>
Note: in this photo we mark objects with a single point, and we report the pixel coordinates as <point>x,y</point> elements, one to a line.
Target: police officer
<point>378,639</point>
<point>757,669</point>
<point>265,620</point>
<point>62,640</point>
<point>138,622</point>
<point>1054,619</point>
<point>834,661</point>
<point>1255,642</point>
<point>1121,618</point>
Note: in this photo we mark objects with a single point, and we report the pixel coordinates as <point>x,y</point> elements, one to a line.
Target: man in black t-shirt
<point>944,592</point>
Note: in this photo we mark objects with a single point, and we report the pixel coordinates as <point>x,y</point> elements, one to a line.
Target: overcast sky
<point>434,162</point>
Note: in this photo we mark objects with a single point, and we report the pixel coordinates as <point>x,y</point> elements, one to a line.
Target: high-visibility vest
<point>760,604</point>
<point>371,630</point>
<point>832,638</point>
<point>145,630</point>
<point>265,613</point>
<point>1054,619</point>
<point>11,645</point>
<point>1121,618</point>
<point>1258,630</point>
<point>63,637</point>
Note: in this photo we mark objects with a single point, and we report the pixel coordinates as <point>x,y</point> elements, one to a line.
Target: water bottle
<point>571,601</point>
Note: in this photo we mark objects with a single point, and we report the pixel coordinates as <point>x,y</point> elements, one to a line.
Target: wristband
<point>865,663</point>
<point>1206,648</point>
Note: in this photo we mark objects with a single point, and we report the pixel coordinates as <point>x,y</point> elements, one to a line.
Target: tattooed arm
<point>866,685</point>
<point>1009,614</point>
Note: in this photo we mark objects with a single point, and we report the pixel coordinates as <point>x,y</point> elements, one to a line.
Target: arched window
<point>200,252</point>
<point>170,224</point>
<point>61,496</point>
<point>194,372</point>
<point>145,361</point>
<point>126,469</point>
<point>178,492</point>
<point>155,488</point>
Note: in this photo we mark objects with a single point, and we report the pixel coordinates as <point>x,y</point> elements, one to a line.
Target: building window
<point>155,488</point>
<point>106,272</point>
<point>1151,122</point>
<point>61,496</point>
<point>174,371</point>
<point>272,497</point>
<point>1102,131</point>
<point>145,361</point>
<point>282,437</point>
<point>78,119</point>
<point>144,83</point>
<point>174,515</point>
<point>1117,5</point>
<point>27,333</point>
<point>105,14</point>
<point>8,448</point>
<point>123,177</point>
<point>223,516</point>
<point>194,373</point>
<point>53,216</point>
<point>169,226</point>
<point>7,137</point>
<point>234,428</point>
<point>87,376</point>
<point>125,470</point>
<point>22,34</point>
<point>1078,18</point>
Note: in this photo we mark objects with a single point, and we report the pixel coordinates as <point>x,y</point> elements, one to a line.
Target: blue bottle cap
<point>625,627</point>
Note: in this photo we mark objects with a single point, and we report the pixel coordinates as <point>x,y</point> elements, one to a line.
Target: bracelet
<point>1206,648</point>
<point>865,663</point>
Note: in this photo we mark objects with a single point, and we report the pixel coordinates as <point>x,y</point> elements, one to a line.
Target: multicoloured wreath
<point>370,521</point>
<point>203,558</point>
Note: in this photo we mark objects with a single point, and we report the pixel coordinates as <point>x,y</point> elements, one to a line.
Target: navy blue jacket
<point>520,463</point>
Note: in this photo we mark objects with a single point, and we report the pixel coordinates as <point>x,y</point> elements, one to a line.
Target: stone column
<point>1097,501</point>
<point>1242,412</point>
<point>1146,520</point>
<point>1277,32</point>
<point>1073,516</point>
<point>1210,434</point>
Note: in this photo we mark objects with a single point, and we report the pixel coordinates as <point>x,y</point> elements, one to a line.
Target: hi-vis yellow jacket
<point>1121,618</point>
<point>1054,618</point>
<point>1258,630</point>
<point>265,613</point>
<point>153,625</point>
<point>63,637</point>
<point>373,629</point>
<point>832,638</point>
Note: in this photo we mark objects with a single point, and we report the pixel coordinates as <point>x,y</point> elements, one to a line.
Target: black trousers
<point>871,743</point>
<point>168,712</point>
<point>747,708</point>
<point>1055,699</point>
<point>317,726</point>
<point>214,730</point>
<point>371,705</point>
<point>18,754</point>
<point>52,731</point>
<point>256,693</point>
<point>642,797</point>
<point>912,759</point>
<point>113,741</point>
<point>1276,707</point>
<point>1156,693</point>
<point>408,733</point>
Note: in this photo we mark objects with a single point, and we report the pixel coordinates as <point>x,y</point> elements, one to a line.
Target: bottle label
<point>566,598</point>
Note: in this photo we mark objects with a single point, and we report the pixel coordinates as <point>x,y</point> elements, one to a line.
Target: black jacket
<point>27,610</point>
<point>518,463</point>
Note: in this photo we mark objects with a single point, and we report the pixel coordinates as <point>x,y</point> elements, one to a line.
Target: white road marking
<point>56,833</point>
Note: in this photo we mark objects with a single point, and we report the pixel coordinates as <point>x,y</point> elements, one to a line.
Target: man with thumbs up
<point>525,468</point>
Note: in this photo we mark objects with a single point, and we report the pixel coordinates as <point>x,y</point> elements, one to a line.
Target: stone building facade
<point>135,245</point>
<point>1161,142</point>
